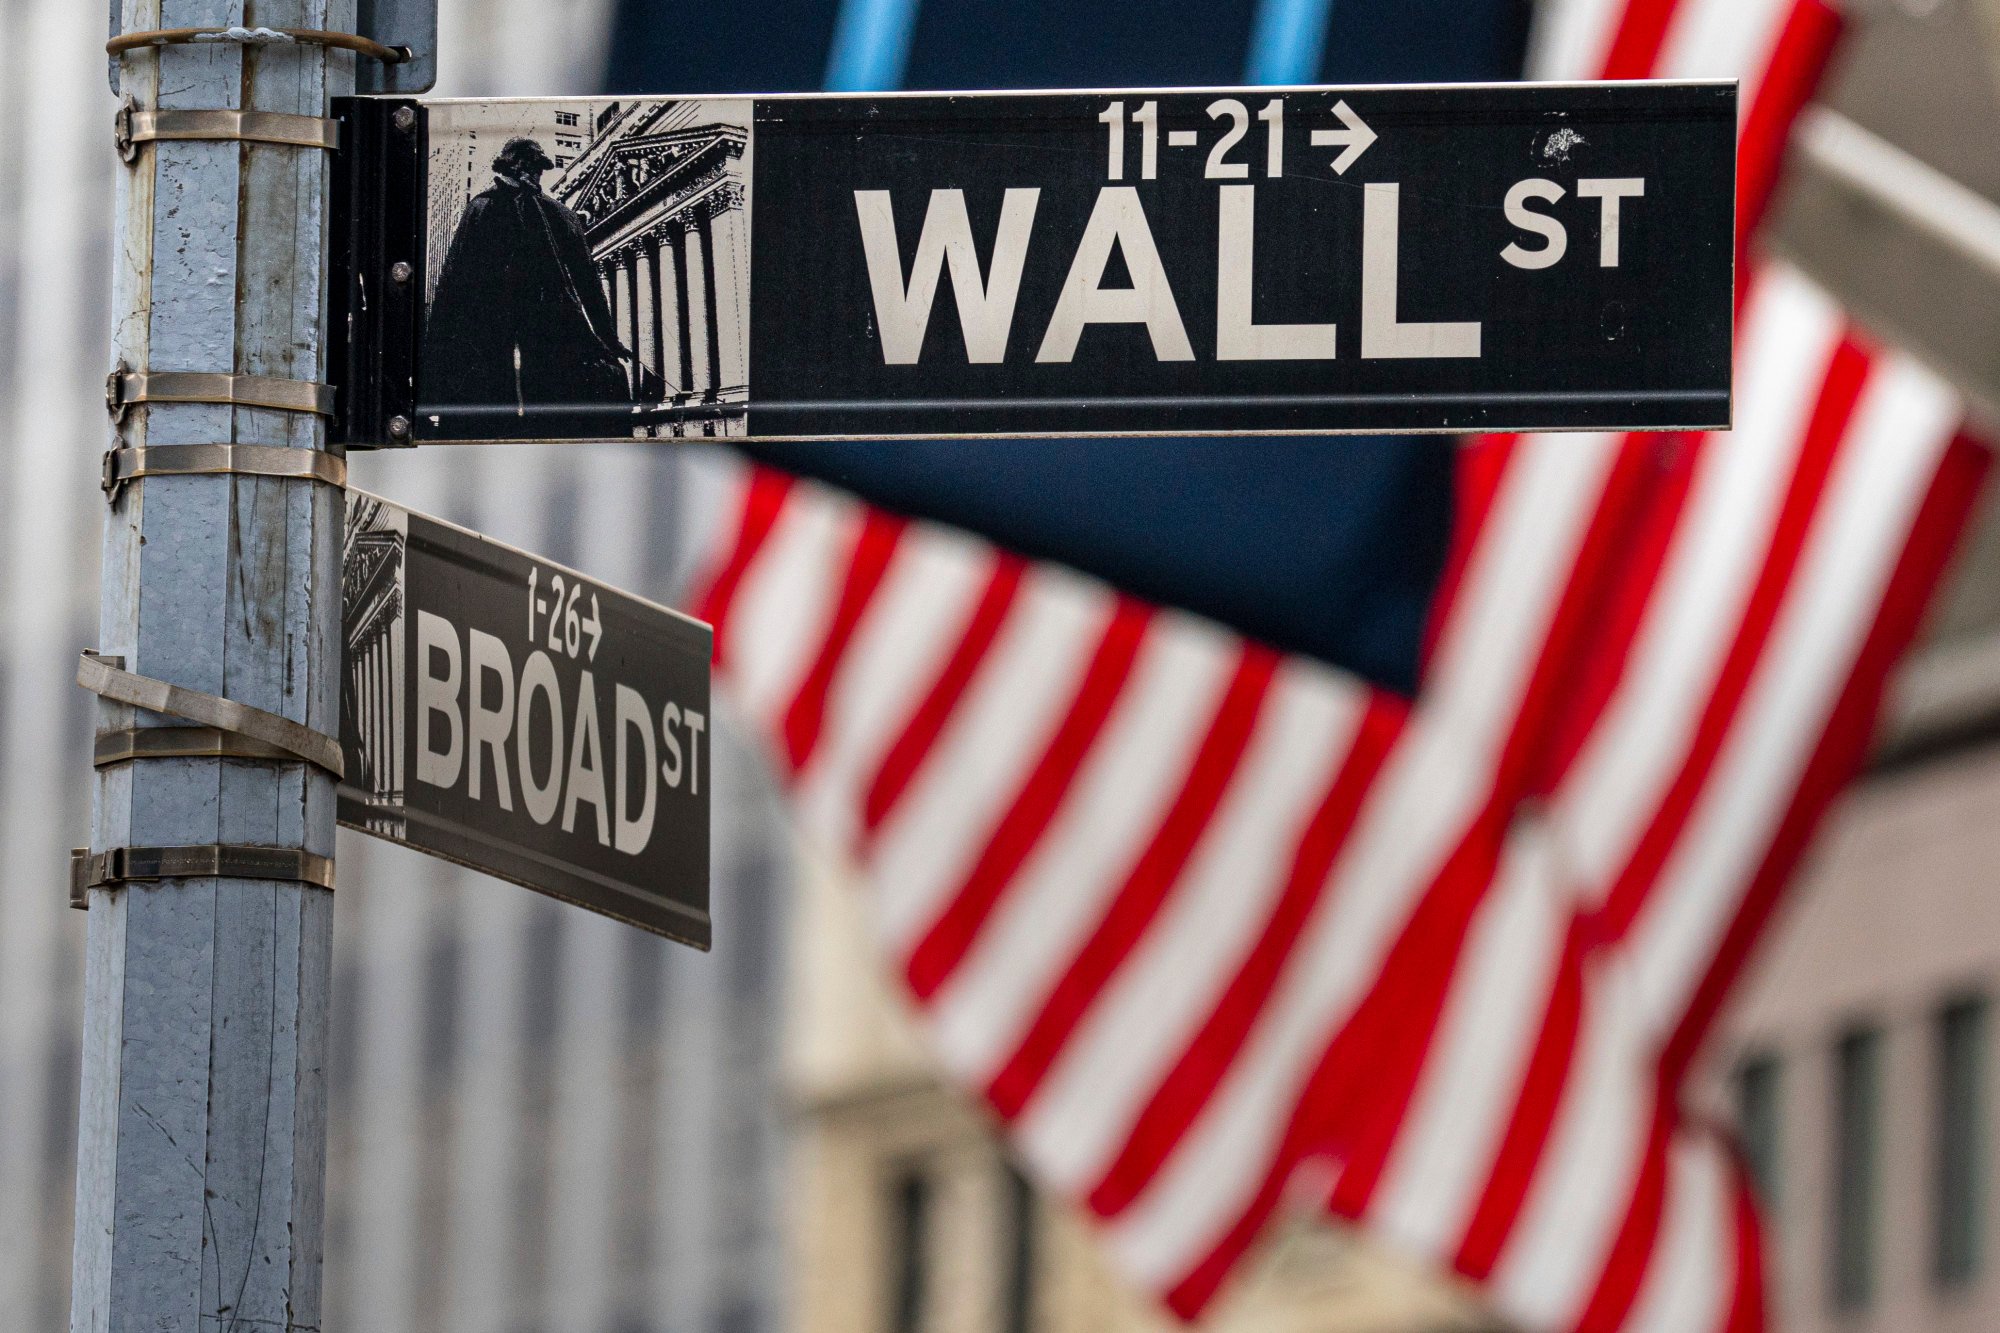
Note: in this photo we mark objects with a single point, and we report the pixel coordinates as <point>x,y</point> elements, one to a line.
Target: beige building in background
<point>908,1218</point>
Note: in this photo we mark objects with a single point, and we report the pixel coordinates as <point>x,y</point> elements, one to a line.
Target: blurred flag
<point>1215,926</point>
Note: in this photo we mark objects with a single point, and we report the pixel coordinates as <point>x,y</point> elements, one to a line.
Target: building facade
<point>662,193</point>
<point>1860,1065</point>
<point>908,1217</point>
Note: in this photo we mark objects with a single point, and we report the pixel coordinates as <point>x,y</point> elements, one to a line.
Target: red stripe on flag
<point>1636,48</point>
<point>905,756</point>
<point>1481,464</point>
<point>1533,1116</point>
<point>1195,1076</point>
<point>1624,1272</point>
<point>1746,1299</point>
<point>1548,1068</point>
<point>1132,908</point>
<point>1804,45</point>
<point>763,499</point>
<point>1594,675</point>
<point>1938,527</point>
<point>1368,1072</point>
<point>867,563</point>
<point>1846,373</point>
<point>1370,1069</point>
<point>944,945</point>
<point>1191,1295</point>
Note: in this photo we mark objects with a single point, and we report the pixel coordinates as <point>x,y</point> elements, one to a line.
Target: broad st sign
<point>1478,257</point>
<point>514,716</point>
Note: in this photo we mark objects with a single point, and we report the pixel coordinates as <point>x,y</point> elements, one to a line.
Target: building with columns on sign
<point>662,194</point>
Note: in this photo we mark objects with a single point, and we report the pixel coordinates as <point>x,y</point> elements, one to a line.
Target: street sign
<point>520,718</point>
<point>1475,257</point>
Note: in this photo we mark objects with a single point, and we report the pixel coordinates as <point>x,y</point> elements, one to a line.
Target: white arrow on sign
<point>594,626</point>
<point>1356,138</point>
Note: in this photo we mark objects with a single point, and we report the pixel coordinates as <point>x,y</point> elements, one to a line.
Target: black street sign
<point>517,717</point>
<point>1476,257</point>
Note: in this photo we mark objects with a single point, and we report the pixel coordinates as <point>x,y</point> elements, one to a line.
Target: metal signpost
<point>202,1138</point>
<point>520,718</point>
<point>279,653</point>
<point>1233,261</point>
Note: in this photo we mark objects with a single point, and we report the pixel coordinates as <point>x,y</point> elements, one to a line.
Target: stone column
<point>705,234</point>
<point>613,287</point>
<point>674,367</point>
<point>700,310</point>
<point>729,249</point>
<point>646,342</point>
<point>628,315</point>
<point>660,318</point>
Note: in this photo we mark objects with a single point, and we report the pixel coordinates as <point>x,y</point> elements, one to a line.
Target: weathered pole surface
<point>201,1162</point>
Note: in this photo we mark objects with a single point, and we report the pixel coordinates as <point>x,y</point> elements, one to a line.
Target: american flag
<point>1217,930</point>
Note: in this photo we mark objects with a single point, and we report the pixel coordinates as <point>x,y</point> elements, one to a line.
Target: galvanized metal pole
<point>201,1159</point>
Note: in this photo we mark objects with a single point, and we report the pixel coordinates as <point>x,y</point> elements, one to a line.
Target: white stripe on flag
<point>1463,1099</point>
<point>1123,791</point>
<point>1021,692</point>
<point>1688,1274</point>
<point>1572,38</point>
<point>1888,459</point>
<point>1722,39</point>
<point>1560,1242</point>
<point>910,629</point>
<point>1905,419</point>
<point>1417,810</point>
<point>783,603</point>
<point>1492,1017</point>
<point>1694,611</point>
<point>1174,979</point>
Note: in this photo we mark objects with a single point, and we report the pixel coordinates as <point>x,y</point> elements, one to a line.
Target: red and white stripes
<point>1213,928</point>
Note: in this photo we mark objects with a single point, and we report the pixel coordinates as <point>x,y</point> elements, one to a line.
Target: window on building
<point>566,118</point>
<point>1757,1121</point>
<point>910,1207</point>
<point>1856,1165</point>
<point>443,968</point>
<point>1017,1296</point>
<point>1958,1142</point>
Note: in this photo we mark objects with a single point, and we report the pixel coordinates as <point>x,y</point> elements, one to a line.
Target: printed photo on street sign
<point>517,717</point>
<point>589,261</point>
<point>1454,258</point>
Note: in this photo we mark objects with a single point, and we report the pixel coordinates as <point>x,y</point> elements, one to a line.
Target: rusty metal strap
<point>123,865</point>
<point>189,460</point>
<point>136,127</point>
<point>107,678</point>
<point>125,388</point>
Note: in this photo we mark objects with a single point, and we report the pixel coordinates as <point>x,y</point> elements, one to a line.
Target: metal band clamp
<point>242,36</point>
<point>189,460</point>
<point>123,388</point>
<point>107,678</point>
<point>128,743</point>
<point>135,126</point>
<point>122,865</point>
